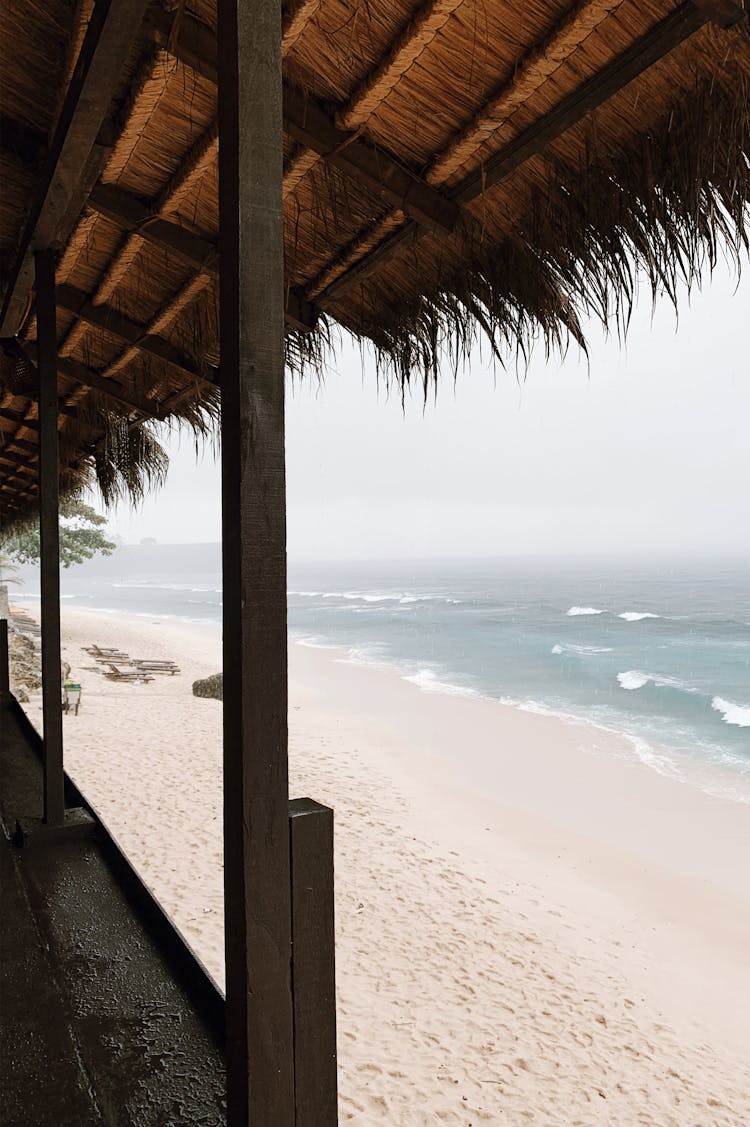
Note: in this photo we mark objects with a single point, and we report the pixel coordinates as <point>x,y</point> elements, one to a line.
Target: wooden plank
<point>309,123</point>
<point>260,1066</point>
<point>134,215</point>
<point>313,964</point>
<point>669,33</point>
<point>109,36</point>
<point>4,665</point>
<point>108,318</point>
<point>49,539</point>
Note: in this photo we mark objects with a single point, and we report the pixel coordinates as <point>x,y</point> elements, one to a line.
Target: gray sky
<point>646,450</point>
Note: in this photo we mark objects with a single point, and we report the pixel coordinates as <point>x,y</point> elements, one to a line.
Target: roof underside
<point>451,168</point>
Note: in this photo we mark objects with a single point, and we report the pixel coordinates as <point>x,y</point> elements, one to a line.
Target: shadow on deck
<point>106,1016</point>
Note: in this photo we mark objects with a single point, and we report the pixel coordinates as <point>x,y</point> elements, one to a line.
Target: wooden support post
<point>260,1051</point>
<point>49,538</point>
<point>313,964</point>
<point>4,665</point>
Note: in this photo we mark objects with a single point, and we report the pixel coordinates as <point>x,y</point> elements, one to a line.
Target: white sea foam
<point>633,679</point>
<point>305,594</point>
<point>428,599</point>
<point>636,615</point>
<point>358,596</point>
<point>575,612</point>
<point>583,651</point>
<point>735,714</point>
<point>661,763</point>
<point>314,643</point>
<point>365,655</point>
<point>403,598</point>
<point>428,681</point>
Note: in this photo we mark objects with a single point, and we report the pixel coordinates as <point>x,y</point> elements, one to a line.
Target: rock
<point>25,671</point>
<point>212,687</point>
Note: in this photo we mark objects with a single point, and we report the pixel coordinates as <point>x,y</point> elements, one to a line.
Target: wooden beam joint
<point>309,122</point>
<point>133,214</point>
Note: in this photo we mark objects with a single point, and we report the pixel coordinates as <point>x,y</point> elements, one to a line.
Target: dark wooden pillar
<point>49,535</point>
<point>313,964</point>
<point>260,1053</point>
<point>4,665</point>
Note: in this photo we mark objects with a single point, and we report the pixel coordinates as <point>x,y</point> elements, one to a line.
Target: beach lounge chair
<point>156,666</point>
<point>107,653</point>
<point>116,674</point>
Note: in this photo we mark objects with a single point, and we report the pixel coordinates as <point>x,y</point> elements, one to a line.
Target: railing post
<point>49,537</point>
<point>4,665</point>
<point>313,964</point>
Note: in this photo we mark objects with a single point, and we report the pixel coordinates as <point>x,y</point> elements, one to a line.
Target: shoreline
<point>537,872</point>
<point>713,779</point>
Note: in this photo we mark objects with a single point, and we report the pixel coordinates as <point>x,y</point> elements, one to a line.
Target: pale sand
<point>577,953</point>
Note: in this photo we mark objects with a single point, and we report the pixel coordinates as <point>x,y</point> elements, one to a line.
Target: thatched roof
<point>452,169</point>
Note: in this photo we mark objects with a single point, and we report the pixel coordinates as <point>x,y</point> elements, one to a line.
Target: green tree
<point>81,536</point>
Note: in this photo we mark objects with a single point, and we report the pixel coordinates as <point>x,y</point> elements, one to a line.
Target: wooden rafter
<point>669,33</point>
<point>112,321</point>
<point>85,377</point>
<point>110,33</point>
<point>21,444</point>
<point>386,178</point>
<point>309,123</point>
<point>133,215</point>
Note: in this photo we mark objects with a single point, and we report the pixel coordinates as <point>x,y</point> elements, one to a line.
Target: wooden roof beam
<point>387,179</point>
<point>133,215</point>
<point>109,37</point>
<point>21,443</point>
<point>112,321</point>
<point>17,466</point>
<point>18,418</point>
<point>308,122</point>
<point>659,41</point>
<point>6,487</point>
<point>86,377</point>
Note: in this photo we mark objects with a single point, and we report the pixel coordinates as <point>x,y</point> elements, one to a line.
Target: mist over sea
<point>658,652</point>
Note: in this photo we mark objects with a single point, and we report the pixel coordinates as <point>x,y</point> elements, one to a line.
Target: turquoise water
<point>660,653</point>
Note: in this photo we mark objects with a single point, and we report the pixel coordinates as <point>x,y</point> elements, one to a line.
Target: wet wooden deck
<point>105,1017</point>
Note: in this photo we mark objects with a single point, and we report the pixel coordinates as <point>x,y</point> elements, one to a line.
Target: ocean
<point>658,652</point>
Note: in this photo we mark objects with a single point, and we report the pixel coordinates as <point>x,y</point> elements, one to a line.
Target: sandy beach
<point>532,926</point>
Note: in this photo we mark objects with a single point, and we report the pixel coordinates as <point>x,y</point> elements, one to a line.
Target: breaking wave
<point>736,714</point>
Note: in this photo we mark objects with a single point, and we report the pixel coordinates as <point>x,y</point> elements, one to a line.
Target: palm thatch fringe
<point>663,210</point>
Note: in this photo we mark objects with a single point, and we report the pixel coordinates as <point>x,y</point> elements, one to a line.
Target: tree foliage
<point>81,536</point>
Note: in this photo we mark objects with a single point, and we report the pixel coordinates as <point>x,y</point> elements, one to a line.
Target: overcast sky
<point>646,449</point>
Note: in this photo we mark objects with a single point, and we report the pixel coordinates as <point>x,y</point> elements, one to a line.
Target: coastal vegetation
<point>82,535</point>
